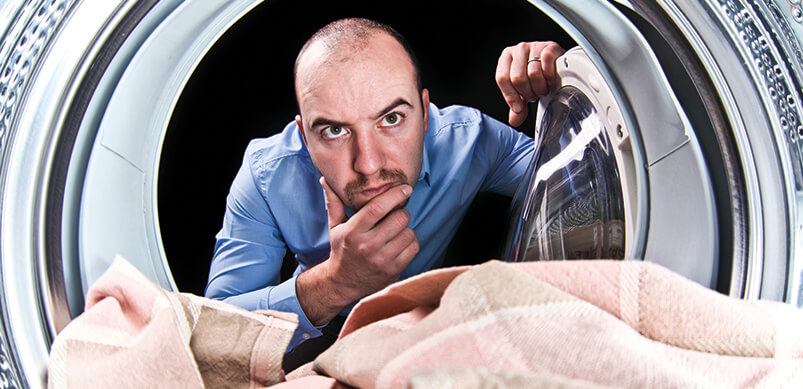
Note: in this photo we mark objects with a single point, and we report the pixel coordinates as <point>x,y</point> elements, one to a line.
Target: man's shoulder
<point>284,146</point>
<point>278,159</point>
<point>453,116</point>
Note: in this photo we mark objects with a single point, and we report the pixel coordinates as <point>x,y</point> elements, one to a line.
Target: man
<point>369,183</point>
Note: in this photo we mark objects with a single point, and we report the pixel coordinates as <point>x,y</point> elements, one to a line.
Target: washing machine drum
<point>674,137</point>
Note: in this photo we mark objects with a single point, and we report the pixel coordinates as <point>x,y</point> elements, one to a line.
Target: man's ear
<point>425,107</point>
<point>301,129</point>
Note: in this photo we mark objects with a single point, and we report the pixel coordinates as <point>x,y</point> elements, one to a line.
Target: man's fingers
<point>334,206</point>
<point>517,118</point>
<point>519,71</point>
<point>549,56</point>
<point>399,251</point>
<point>535,72</point>
<point>393,224</point>
<point>409,252</point>
<point>511,96</point>
<point>378,207</point>
<point>396,242</point>
<point>525,72</point>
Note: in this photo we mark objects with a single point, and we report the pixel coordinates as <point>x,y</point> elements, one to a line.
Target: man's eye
<point>391,119</point>
<point>333,132</point>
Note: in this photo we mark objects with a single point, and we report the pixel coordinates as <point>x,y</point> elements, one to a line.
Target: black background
<point>243,89</point>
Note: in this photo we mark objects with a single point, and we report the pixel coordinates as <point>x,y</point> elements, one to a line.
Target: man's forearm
<point>319,297</point>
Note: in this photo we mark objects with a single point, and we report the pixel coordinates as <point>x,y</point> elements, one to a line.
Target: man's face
<point>362,118</point>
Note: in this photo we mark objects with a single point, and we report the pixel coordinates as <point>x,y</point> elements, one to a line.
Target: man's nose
<point>369,155</point>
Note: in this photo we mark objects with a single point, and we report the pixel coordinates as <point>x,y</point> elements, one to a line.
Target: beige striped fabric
<point>564,324</point>
<point>568,324</point>
<point>136,335</point>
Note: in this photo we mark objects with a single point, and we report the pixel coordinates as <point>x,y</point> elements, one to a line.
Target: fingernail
<point>406,189</point>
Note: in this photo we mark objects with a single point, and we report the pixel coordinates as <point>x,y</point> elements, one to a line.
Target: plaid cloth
<point>135,335</point>
<point>540,324</point>
<point>564,324</point>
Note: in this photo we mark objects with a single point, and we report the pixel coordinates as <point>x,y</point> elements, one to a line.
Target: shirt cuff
<point>283,298</point>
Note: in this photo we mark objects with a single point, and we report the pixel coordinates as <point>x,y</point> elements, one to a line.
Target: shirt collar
<point>424,176</point>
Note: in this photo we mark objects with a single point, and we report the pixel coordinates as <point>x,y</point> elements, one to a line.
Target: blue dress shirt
<point>276,202</point>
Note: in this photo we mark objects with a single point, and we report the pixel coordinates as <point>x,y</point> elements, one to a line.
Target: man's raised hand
<point>525,72</point>
<point>368,252</point>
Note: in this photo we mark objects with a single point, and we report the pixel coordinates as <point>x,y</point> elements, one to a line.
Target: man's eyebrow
<point>334,123</point>
<point>392,106</point>
<point>326,122</point>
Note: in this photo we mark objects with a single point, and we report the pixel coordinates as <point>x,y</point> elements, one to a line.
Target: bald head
<point>343,39</point>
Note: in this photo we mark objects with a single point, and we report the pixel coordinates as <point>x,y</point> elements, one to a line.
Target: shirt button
<point>305,336</point>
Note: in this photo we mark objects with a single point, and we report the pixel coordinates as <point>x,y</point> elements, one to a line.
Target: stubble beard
<point>387,177</point>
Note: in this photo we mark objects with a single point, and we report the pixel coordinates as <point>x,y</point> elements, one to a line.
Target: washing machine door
<point>666,144</point>
<point>580,185</point>
<point>592,184</point>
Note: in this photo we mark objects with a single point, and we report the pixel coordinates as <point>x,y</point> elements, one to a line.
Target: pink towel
<point>135,335</point>
<point>572,323</point>
<point>539,324</point>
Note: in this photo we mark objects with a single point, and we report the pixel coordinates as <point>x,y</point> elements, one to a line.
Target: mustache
<point>356,186</point>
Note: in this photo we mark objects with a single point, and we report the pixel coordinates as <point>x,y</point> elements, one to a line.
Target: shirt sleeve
<point>248,257</point>
<point>507,152</point>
